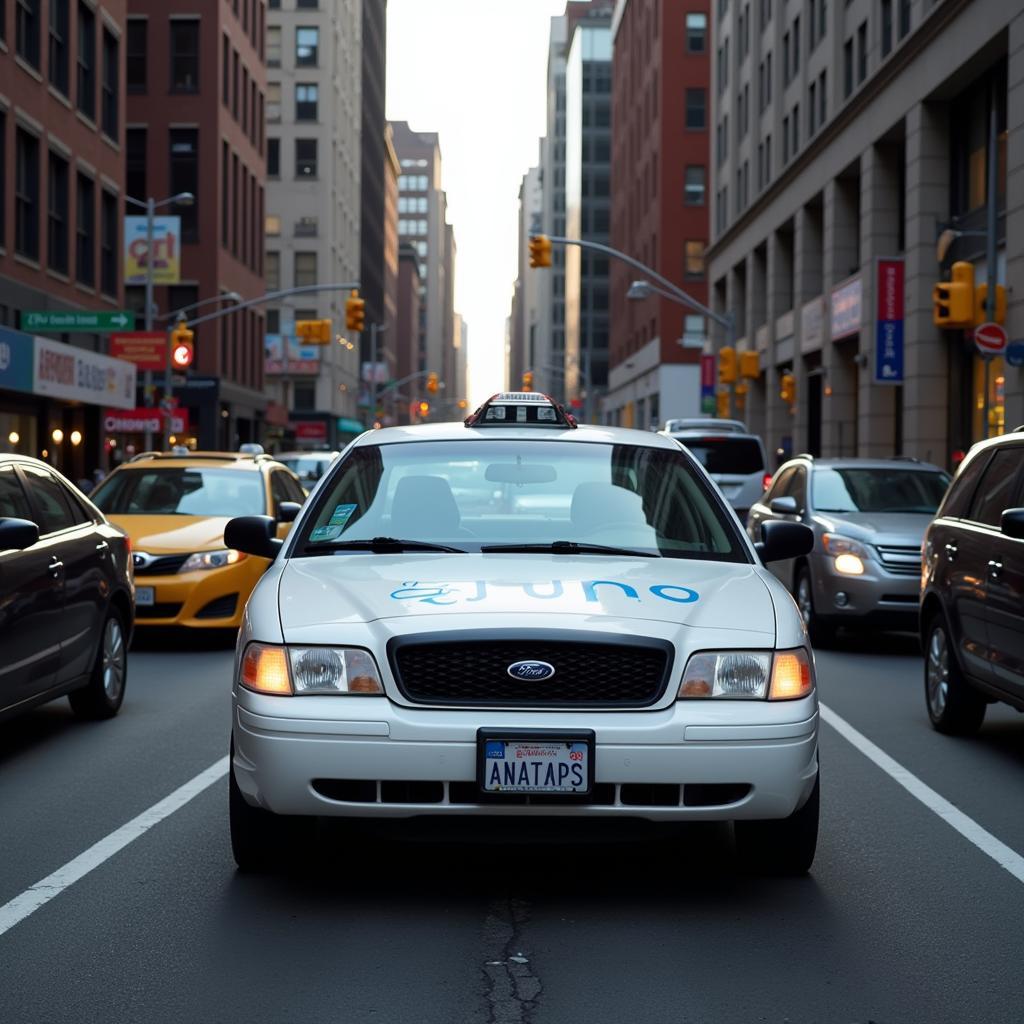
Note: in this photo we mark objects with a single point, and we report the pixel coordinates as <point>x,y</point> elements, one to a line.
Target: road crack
<point>513,989</point>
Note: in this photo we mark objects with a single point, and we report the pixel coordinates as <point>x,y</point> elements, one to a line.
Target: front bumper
<point>877,597</point>
<point>366,757</point>
<point>207,599</point>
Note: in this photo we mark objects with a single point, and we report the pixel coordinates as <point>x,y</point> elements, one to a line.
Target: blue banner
<point>17,360</point>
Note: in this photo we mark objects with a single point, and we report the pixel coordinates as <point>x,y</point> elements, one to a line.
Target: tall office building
<point>313,203</point>
<point>846,134</point>
<point>527,349</point>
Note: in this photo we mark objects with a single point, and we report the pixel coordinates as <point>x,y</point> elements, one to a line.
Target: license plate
<point>145,597</point>
<point>537,762</point>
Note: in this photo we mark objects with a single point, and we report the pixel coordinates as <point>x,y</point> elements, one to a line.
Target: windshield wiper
<point>378,545</point>
<point>564,547</point>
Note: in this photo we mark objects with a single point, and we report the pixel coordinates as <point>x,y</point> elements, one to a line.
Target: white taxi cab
<point>522,616</point>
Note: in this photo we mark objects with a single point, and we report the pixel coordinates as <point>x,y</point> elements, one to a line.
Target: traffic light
<point>953,300</point>
<point>787,388</point>
<point>981,305</point>
<point>540,251</point>
<point>750,366</point>
<point>463,404</point>
<point>355,312</point>
<point>527,380</point>
<point>183,350</point>
<point>314,332</point>
<point>424,408</point>
<point>432,383</point>
<point>740,393</point>
<point>727,368</point>
<point>722,409</point>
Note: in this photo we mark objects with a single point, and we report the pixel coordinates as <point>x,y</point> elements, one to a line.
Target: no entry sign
<point>990,339</point>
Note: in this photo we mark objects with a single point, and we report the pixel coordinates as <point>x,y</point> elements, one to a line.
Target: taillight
<point>767,481</point>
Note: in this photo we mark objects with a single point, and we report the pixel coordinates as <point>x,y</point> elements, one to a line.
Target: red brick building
<point>660,156</point>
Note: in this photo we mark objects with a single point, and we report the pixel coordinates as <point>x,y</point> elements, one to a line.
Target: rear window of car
<point>726,455</point>
<point>183,492</point>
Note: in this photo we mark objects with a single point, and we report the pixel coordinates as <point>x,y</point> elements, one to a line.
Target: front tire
<point>103,695</point>
<point>821,633</point>
<point>954,706</point>
<point>783,847</point>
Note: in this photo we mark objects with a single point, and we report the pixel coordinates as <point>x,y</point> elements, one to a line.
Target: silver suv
<point>869,518</point>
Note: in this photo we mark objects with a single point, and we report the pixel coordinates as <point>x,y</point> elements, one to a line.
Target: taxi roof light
<point>521,409</point>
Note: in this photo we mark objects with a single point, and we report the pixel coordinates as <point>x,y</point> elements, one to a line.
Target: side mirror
<point>287,511</point>
<point>1012,523</point>
<point>786,506</point>
<point>17,534</point>
<point>781,541</point>
<point>255,535</point>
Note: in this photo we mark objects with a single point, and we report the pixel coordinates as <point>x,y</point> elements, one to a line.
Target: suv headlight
<point>748,675</point>
<point>212,560</point>
<point>288,671</point>
<point>850,555</point>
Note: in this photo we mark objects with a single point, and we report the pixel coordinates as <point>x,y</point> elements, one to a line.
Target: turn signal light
<point>265,670</point>
<point>791,675</point>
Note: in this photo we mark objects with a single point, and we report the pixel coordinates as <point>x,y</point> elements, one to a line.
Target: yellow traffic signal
<point>722,409</point>
<point>787,388</point>
<point>355,312</point>
<point>424,408</point>
<point>432,383</point>
<point>750,366</point>
<point>727,368</point>
<point>527,380</point>
<point>314,332</point>
<point>981,305</point>
<point>953,300</point>
<point>540,251</point>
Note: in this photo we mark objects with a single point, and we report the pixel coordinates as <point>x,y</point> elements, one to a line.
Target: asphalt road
<point>901,920</point>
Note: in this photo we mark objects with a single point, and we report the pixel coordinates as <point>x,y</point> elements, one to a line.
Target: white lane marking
<point>42,892</point>
<point>952,816</point>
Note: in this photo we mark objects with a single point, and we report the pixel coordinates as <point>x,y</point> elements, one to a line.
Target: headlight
<point>212,560</point>
<point>309,670</point>
<point>748,675</point>
<point>849,554</point>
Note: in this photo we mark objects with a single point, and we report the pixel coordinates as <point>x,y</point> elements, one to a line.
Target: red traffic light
<point>182,355</point>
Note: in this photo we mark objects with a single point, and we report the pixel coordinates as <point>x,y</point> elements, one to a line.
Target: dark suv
<point>972,593</point>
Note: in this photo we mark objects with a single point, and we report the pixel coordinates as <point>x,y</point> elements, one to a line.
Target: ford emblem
<point>531,670</point>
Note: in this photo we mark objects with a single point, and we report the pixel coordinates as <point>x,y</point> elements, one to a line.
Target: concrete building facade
<point>848,135</point>
<point>529,345</point>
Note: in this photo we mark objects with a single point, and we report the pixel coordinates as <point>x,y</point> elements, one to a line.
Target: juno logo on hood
<point>532,671</point>
<point>547,590</point>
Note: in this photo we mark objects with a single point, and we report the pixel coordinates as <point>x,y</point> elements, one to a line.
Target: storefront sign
<point>311,430</point>
<point>63,371</point>
<point>77,321</point>
<point>812,325</point>
<point>707,383</point>
<point>16,357</point>
<point>284,357</point>
<point>143,421</point>
<point>845,306</point>
<point>166,250</point>
<point>889,321</point>
<point>144,350</point>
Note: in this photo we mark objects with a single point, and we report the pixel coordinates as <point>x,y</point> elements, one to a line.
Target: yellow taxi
<point>174,506</point>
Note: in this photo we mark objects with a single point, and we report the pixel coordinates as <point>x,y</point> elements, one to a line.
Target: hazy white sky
<point>475,71</point>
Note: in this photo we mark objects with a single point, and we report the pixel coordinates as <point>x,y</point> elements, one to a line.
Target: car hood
<point>898,528</point>
<point>160,535</point>
<point>326,590</point>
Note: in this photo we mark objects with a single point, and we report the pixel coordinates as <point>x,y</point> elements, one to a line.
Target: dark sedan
<point>66,610</point>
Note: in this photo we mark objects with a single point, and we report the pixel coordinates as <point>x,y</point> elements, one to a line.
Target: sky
<point>475,71</point>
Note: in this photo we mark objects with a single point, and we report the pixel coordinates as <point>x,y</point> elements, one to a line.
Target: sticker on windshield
<point>341,515</point>
<point>325,533</point>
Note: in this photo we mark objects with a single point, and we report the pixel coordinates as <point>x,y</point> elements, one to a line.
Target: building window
<point>862,52</point>
<point>307,96</point>
<point>886,12</point>
<point>307,47</point>
<point>184,143</point>
<point>108,243</point>
<point>904,17</point>
<point>307,227</point>
<point>812,108</point>
<point>305,158</point>
<point>273,101</point>
<point>307,5</point>
<point>796,46</point>
<point>273,158</point>
<point>136,55</point>
<point>272,270</point>
<point>135,163</point>
<point>26,31</point>
<point>111,89</point>
<point>273,46</point>
<point>57,227</point>
<point>822,100</point>
<point>86,61</point>
<point>847,69</point>
<point>185,55</point>
<point>59,68</point>
<point>696,110</point>
<point>272,225</point>
<point>26,195</point>
<point>85,235</point>
<point>696,32</point>
<point>225,194</point>
<point>795,122</point>
<point>785,140</point>
<point>305,269</point>
<point>694,266</point>
<point>3,174</point>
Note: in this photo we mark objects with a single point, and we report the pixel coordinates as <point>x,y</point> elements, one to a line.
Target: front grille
<point>157,611</point>
<point>900,560</point>
<point>219,608</point>
<point>474,671</point>
<point>161,565</point>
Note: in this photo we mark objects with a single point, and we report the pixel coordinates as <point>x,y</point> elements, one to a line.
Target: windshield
<point>182,492</point>
<point>471,495</point>
<point>878,490</point>
<point>306,467</point>
<point>726,455</point>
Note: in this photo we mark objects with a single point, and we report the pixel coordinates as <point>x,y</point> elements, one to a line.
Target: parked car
<point>869,518</point>
<point>174,506</point>
<point>704,423</point>
<point>734,459</point>
<point>972,595</point>
<point>307,466</point>
<point>65,595</point>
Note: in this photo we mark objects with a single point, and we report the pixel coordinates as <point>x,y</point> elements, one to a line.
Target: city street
<point>902,918</point>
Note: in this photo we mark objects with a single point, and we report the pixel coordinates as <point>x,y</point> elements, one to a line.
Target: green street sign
<point>78,321</point>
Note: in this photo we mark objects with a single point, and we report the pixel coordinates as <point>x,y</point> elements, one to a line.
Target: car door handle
<point>56,567</point>
<point>103,546</point>
<point>951,550</point>
<point>995,569</point>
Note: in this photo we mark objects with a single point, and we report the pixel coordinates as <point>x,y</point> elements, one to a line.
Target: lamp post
<point>178,314</point>
<point>151,205</point>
